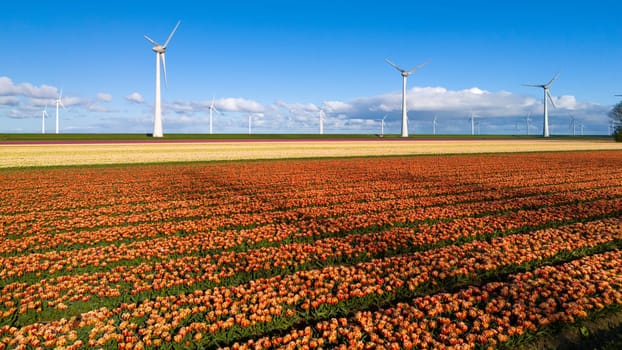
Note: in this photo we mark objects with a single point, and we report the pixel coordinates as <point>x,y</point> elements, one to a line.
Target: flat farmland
<point>84,153</point>
<point>439,251</point>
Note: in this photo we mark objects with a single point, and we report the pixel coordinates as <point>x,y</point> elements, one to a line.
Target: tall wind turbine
<point>159,50</point>
<point>211,109</point>
<point>44,114</point>
<point>547,94</point>
<point>405,75</point>
<point>250,123</point>
<point>59,103</point>
<point>434,123</point>
<point>527,120</point>
<point>322,119</point>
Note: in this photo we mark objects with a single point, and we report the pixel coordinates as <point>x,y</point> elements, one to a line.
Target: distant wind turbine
<point>44,114</point>
<point>159,50</point>
<point>212,108</point>
<point>405,75</point>
<point>250,123</point>
<point>382,125</point>
<point>527,120</point>
<point>322,119</point>
<point>434,123</point>
<point>59,103</point>
<point>573,125</point>
<point>547,94</point>
<point>472,119</point>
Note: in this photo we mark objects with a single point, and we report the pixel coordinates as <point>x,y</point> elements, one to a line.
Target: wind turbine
<point>322,119</point>
<point>527,120</point>
<point>250,123</point>
<point>211,109</point>
<point>159,50</point>
<point>59,103</point>
<point>472,118</point>
<point>405,75</point>
<point>573,125</point>
<point>382,125</point>
<point>434,125</point>
<point>547,94</point>
<point>44,114</point>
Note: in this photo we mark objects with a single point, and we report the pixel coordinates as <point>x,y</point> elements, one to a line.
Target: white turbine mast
<point>405,75</point>
<point>159,50</point>
<point>527,120</point>
<point>59,102</point>
<point>212,108</point>
<point>44,114</point>
<point>547,94</point>
<point>434,123</point>
<point>250,123</point>
<point>322,119</point>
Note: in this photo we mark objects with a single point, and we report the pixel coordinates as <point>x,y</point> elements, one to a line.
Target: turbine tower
<point>527,120</point>
<point>547,94</point>
<point>405,75</point>
<point>44,114</point>
<point>59,103</point>
<point>322,119</point>
<point>211,109</point>
<point>434,123</point>
<point>250,123</point>
<point>159,50</point>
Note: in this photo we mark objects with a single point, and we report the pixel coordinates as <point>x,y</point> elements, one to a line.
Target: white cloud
<point>338,107</point>
<point>104,97</point>
<point>239,105</point>
<point>135,97</point>
<point>8,88</point>
<point>9,101</point>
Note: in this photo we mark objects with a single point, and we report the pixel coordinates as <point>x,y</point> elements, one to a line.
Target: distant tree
<point>616,116</point>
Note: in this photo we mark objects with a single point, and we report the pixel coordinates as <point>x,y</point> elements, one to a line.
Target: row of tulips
<point>473,317</point>
<point>314,219</point>
<point>191,269</point>
<point>32,266</point>
<point>308,294</point>
<point>46,222</point>
<point>266,194</point>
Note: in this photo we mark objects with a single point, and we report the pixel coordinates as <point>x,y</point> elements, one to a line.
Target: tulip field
<point>406,252</point>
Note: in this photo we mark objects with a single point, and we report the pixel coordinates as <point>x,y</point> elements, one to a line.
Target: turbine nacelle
<point>159,49</point>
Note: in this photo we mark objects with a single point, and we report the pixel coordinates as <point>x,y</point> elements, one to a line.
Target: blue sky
<point>281,61</point>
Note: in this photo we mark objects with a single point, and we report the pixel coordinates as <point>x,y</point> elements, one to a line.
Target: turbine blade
<point>153,42</point>
<point>164,66</point>
<point>552,80</point>
<point>417,68</point>
<point>534,85</point>
<point>60,95</point>
<point>171,35</point>
<point>394,65</point>
<point>550,98</point>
